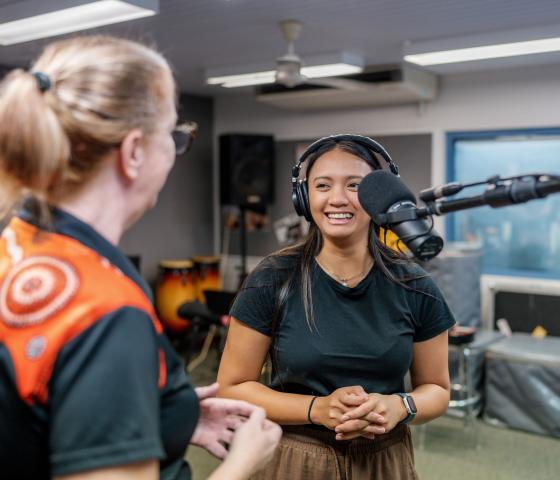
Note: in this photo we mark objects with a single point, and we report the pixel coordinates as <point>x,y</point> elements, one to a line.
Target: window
<point>521,239</point>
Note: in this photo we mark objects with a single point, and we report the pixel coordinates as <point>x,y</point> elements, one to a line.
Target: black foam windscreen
<point>381,189</point>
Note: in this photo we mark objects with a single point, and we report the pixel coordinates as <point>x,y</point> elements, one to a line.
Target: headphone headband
<point>362,140</point>
<point>299,187</point>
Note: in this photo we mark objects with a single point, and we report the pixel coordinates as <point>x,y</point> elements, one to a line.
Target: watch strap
<point>411,414</point>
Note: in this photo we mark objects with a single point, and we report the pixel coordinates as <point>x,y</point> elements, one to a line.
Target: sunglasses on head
<point>183,136</point>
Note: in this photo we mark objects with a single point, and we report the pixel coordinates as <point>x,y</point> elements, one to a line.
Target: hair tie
<point>43,81</point>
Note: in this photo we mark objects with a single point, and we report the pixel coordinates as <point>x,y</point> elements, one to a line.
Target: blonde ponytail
<point>34,148</point>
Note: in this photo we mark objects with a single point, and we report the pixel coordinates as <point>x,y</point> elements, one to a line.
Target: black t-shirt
<point>361,335</point>
<point>109,402</point>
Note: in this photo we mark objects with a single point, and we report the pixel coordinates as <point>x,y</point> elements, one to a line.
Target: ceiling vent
<point>394,85</point>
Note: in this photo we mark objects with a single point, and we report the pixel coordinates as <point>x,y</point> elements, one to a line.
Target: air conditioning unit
<point>375,87</point>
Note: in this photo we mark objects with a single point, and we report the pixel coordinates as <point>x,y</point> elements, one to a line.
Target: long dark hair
<point>385,258</point>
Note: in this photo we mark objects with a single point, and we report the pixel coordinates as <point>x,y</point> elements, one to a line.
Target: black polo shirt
<point>360,336</point>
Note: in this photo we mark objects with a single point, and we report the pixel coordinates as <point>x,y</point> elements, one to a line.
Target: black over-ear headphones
<point>300,195</point>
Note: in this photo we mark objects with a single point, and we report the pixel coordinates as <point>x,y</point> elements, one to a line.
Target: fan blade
<point>339,83</point>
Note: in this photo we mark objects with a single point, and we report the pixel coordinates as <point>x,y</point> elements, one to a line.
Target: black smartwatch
<point>410,407</point>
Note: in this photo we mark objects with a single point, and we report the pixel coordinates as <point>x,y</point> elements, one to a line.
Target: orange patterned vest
<point>52,288</point>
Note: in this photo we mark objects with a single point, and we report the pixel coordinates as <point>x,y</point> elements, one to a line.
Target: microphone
<point>389,202</point>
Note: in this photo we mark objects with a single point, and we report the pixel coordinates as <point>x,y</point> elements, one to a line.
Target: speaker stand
<point>243,246</point>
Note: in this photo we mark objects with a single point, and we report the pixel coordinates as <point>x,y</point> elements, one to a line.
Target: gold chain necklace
<point>343,280</point>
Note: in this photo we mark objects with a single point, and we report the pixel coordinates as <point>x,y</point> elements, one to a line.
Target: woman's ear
<point>131,154</point>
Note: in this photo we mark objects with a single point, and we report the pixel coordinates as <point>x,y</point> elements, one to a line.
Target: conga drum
<point>175,286</point>
<point>207,275</point>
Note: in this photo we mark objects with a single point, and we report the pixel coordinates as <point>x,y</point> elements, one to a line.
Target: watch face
<point>411,404</point>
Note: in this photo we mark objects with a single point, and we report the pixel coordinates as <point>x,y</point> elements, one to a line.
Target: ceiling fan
<point>291,72</point>
<point>290,67</point>
<point>340,80</point>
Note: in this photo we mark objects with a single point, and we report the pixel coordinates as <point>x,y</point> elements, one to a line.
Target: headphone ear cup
<point>300,200</point>
<point>306,211</point>
<point>296,200</point>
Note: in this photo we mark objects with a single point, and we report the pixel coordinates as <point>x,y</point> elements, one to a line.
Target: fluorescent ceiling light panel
<point>502,50</point>
<point>75,18</point>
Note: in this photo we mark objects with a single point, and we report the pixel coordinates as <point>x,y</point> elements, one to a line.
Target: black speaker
<point>246,169</point>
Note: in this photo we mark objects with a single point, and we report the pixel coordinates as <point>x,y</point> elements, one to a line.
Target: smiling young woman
<point>343,318</point>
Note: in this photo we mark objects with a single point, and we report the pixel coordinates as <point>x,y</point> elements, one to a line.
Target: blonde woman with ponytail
<point>89,385</point>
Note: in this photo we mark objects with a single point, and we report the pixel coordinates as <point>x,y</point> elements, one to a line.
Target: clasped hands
<point>351,412</point>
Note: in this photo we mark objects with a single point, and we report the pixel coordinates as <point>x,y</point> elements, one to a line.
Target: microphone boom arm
<point>500,193</point>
